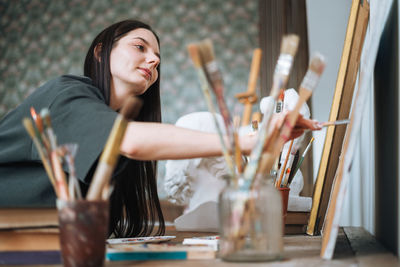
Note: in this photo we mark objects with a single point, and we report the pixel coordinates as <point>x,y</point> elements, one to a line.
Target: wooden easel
<point>249,97</point>
<point>341,105</point>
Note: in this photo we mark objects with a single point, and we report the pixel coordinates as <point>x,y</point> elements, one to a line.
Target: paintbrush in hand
<point>109,157</point>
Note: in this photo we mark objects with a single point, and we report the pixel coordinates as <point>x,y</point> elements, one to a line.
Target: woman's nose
<point>153,59</point>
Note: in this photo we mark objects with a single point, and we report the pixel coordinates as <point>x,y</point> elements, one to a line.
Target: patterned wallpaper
<point>41,39</point>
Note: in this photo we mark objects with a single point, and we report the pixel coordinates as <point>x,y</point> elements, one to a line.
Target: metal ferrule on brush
<point>213,71</point>
<point>310,80</point>
<point>284,64</point>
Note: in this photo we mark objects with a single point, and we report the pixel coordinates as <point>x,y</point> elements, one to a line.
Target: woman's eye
<point>140,47</point>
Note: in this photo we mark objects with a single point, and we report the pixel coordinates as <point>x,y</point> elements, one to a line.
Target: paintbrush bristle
<point>290,44</point>
<point>315,69</point>
<point>45,114</point>
<point>131,108</point>
<point>29,127</point>
<point>206,51</point>
<point>317,63</point>
<point>194,54</point>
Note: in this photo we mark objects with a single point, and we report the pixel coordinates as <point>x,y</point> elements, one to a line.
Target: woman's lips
<point>146,72</point>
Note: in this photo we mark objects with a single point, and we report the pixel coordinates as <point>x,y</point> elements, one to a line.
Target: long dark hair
<point>134,204</point>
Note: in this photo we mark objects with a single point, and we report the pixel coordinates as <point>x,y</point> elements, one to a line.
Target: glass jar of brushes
<point>251,228</point>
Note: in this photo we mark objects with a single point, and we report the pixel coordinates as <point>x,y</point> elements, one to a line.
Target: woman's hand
<point>303,124</point>
<point>247,142</point>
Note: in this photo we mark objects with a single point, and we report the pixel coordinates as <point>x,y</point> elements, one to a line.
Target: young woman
<point>123,61</point>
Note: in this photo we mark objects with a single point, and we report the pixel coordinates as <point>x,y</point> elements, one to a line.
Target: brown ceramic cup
<point>285,198</point>
<point>83,231</point>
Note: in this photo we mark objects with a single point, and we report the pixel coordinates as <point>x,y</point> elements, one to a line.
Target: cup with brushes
<point>83,222</point>
<point>247,231</point>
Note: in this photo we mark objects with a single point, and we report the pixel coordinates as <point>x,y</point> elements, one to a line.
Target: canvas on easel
<point>331,225</point>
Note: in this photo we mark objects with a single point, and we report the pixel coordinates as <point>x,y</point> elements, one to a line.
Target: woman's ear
<point>97,51</point>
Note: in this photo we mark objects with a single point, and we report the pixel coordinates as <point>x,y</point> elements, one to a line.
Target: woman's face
<point>133,62</point>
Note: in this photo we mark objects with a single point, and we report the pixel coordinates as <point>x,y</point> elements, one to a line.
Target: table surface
<point>354,247</point>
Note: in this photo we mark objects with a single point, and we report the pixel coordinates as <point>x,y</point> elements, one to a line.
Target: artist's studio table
<point>354,247</point>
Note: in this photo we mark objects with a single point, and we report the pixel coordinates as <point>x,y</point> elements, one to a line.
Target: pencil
<point>301,160</point>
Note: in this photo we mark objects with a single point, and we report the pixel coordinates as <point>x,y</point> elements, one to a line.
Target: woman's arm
<point>157,141</point>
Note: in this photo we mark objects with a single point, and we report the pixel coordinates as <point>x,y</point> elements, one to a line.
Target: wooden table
<point>354,247</point>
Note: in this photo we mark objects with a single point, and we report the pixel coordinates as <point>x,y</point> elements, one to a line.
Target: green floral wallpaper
<point>41,39</point>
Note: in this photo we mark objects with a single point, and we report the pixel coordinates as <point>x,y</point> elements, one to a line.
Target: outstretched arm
<point>157,141</point>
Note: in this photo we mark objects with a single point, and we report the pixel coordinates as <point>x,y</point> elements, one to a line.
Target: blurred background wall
<point>41,39</point>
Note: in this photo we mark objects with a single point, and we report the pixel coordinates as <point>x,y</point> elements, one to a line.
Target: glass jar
<point>251,227</point>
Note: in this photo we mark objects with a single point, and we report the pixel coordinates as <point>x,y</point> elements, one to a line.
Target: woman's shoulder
<point>72,84</point>
<point>68,80</point>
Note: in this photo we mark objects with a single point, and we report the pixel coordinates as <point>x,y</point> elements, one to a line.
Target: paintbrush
<point>283,171</point>
<point>278,109</point>
<point>68,152</point>
<point>194,55</point>
<point>45,114</point>
<point>32,133</point>
<point>214,78</point>
<point>310,81</point>
<point>279,181</point>
<point>288,50</point>
<point>39,131</point>
<point>300,161</point>
<point>292,169</point>
<point>59,174</point>
<point>109,157</point>
<point>333,123</point>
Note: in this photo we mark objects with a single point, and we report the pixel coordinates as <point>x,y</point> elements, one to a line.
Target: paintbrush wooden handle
<point>110,154</point>
<point>108,159</point>
<point>61,182</point>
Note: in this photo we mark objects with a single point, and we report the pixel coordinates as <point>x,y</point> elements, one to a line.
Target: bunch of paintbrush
<point>243,208</point>
<point>275,142</point>
<point>100,185</point>
<point>310,81</point>
<point>281,75</point>
<point>52,156</point>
